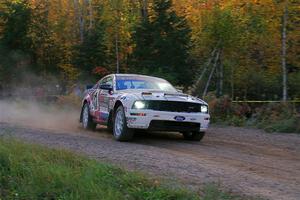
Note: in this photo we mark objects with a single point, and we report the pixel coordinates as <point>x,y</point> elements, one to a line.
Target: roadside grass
<point>213,193</point>
<point>34,172</point>
<point>289,125</point>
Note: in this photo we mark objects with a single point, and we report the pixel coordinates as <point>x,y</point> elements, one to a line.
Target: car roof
<point>139,75</point>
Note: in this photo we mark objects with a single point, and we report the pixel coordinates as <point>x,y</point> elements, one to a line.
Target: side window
<point>107,81</point>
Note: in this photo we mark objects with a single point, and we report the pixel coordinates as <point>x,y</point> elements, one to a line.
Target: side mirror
<point>106,87</point>
<point>89,87</point>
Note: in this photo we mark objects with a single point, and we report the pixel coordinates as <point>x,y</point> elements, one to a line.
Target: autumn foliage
<point>79,40</point>
<point>100,71</point>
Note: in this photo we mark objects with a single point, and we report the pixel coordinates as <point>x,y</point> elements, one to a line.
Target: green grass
<point>213,193</point>
<point>34,172</point>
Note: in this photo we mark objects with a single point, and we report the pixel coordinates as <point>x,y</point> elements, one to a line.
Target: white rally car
<point>125,102</point>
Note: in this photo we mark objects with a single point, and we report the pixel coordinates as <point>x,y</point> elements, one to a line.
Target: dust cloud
<point>39,115</point>
<point>41,101</point>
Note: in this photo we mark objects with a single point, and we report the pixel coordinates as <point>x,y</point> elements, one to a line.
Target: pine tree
<point>162,44</point>
<point>91,52</point>
<point>16,19</point>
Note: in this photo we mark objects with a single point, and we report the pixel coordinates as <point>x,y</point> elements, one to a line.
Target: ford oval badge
<point>179,118</point>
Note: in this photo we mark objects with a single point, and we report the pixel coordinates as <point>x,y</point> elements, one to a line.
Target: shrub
<point>274,112</point>
<point>222,109</point>
<point>236,120</point>
<point>289,125</point>
<point>273,117</point>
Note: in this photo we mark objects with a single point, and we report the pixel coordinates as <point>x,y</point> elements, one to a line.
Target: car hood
<point>163,96</point>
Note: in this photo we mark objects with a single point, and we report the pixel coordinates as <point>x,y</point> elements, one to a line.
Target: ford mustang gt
<point>126,102</point>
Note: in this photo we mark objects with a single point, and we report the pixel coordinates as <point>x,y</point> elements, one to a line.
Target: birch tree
<point>283,54</point>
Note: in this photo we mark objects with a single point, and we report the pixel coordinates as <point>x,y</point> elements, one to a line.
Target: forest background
<point>222,50</point>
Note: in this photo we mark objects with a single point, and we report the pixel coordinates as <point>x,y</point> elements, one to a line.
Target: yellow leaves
<point>70,72</point>
<point>16,1</point>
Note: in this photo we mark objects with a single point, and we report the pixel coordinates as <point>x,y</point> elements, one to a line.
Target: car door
<point>104,99</point>
<point>94,100</point>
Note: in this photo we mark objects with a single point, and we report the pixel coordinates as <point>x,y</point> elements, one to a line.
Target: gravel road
<point>244,161</point>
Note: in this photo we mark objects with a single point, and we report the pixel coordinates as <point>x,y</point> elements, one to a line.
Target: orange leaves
<point>100,71</point>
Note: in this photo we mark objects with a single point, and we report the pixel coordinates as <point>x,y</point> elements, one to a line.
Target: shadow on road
<point>142,135</point>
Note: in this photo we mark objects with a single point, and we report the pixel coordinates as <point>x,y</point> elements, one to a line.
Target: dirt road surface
<point>244,161</point>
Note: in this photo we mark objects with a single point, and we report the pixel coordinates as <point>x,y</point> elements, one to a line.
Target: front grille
<point>164,125</point>
<point>174,106</point>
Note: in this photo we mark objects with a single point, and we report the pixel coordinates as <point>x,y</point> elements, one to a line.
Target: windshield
<point>141,82</point>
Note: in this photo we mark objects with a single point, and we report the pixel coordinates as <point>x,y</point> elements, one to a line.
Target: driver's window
<point>107,81</point>
<point>101,82</point>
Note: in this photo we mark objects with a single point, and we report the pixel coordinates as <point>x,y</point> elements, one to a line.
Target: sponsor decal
<point>179,118</point>
<point>131,120</point>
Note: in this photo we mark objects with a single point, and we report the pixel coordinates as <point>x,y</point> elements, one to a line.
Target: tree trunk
<point>117,36</point>
<point>211,74</point>
<point>232,83</point>
<point>79,17</point>
<point>198,82</point>
<point>117,53</point>
<point>283,54</point>
<point>81,28</point>
<point>220,76</point>
<point>144,9</point>
<point>91,14</point>
<point>218,79</point>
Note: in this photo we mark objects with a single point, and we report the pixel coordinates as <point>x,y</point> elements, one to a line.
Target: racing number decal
<point>103,105</point>
<point>94,105</point>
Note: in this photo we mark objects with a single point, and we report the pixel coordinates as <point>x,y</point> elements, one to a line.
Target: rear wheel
<point>193,136</point>
<point>87,119</point>
<point>120,130</point>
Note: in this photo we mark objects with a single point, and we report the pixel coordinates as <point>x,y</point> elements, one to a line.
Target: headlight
<point>139,105</point>
<point>204,109</point>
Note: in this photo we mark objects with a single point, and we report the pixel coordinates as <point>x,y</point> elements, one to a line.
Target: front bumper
<point>166,121</point>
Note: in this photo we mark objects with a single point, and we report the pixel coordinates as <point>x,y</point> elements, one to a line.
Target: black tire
<point>120,130</point>
<point>87,123</point>
<point>110,123</point>
<point>193,136</point>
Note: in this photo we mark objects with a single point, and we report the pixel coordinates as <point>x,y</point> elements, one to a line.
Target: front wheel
<point>120,130</point>
<point>194,136</point>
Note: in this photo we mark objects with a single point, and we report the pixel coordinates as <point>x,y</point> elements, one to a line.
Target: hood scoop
<point>176,94</point>
<point>151,95</point>
<point>164,94</point>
